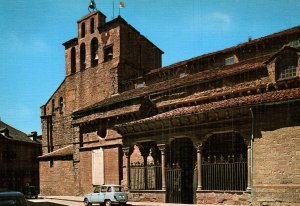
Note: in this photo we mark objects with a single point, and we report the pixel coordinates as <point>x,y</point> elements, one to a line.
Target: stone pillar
<point>162,148</point>
<point>249,167</point>
<point>145,150</point>
<point>126,151</point>
<point>199,166</point>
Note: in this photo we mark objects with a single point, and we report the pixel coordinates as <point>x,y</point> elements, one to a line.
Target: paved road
<point>77,201</point>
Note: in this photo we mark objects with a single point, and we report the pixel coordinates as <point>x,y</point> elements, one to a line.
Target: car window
<point>103,189</point>
<point>97,190</point>
<point>109,189</point>
<point>119,189</point>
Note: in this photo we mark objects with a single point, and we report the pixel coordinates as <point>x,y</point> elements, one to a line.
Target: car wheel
<point>86,202</point>
<point>107,203</point>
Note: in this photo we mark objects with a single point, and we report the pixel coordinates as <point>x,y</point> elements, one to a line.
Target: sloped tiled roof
<point>14,133</point>
<point>219,72</point>
<point>274,96</point>
<point>65,151</point>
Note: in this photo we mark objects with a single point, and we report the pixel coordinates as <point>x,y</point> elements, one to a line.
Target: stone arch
<point>94,52</point>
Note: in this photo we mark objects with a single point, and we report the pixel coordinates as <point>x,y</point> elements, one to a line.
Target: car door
<point>95,195</point>
<point>102,194</point>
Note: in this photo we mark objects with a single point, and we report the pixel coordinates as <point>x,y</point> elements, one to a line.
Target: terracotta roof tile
<point>275,96</point>
<point>185,81</point>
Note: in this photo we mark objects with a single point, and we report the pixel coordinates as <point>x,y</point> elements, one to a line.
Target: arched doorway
<point>180,171</point>
<point>224,165</point>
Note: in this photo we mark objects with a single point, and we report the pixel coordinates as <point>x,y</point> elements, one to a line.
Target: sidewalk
<point>80,199</point>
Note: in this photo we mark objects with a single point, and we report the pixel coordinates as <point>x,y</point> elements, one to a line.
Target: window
<point>82,30</point>
<point>73,60</point>
<point>294,43</point>
<point>182,74</point>
<point>286,65</point>
<point>82,56</point>
<point>94,52</point>
<point>229,60</point>
<point>108,53</point>
<point>139,85</point>
<point>53,105</point>
<point>92,25</point>
<point>60,105</point>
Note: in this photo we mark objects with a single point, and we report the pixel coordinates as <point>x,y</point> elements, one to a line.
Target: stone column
<point>249,166</point>
<point>199,166</point>
<point>162,148</point>
<point>126,151</point>
<point>145,150</point>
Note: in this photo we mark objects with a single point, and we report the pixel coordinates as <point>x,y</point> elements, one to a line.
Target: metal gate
<point>173,184</point>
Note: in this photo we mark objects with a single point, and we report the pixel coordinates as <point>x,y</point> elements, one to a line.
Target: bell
<point>92,5</point>
<point>96,57</point>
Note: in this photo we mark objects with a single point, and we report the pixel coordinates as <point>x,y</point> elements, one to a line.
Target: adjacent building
<point>222,127</point>
<point>19,165</point>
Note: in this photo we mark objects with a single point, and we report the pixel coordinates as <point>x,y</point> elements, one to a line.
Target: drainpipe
<point>251,153</point>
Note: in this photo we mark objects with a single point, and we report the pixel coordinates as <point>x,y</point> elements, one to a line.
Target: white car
<point>106,195</point>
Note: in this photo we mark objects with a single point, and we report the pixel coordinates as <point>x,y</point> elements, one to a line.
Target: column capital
<point>199,147</point>
<point>162,148</point>
<point>127,151</point>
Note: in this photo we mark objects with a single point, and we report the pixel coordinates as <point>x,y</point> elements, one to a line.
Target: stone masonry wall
<point>277,168</point>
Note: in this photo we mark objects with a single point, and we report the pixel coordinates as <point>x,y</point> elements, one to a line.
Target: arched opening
<point>224,165</point>
<point>286,65</point>
<point>92,25</point>
<point>82,56</point>
<point>180,171</point>
<point>73,60</point>
<point>145,168</point>
<point>82,30</point>
<point>94,52</point>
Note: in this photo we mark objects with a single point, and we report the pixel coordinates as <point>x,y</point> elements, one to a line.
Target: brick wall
<point>85,168</point>
<point>58,179</point>
<point>111,165</point>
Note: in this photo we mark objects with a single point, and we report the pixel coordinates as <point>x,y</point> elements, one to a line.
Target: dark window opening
<point>82,30</point>
<point>92,25</point>
<point>73,60</point>
<point>286,65</point>
<point>82,57</point>
<point>94,52</point>
<point>60,105</point>
<point>224,165</point>
<point>53,105</point>
<point>108,53</point>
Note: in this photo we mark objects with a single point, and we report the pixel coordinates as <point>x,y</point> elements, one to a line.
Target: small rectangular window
<point>139,85</point>
<point>108,53</point>
<point>182,74</point>
<point>229,60</point>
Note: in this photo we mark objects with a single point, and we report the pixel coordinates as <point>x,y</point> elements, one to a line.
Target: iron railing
<point>220,173</point>
<point>145,177</point>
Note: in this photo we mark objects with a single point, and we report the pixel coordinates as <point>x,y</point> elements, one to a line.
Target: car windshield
<point>119,189</point>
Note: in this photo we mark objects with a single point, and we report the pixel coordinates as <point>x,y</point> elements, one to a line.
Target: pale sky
<point>32,32</point>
